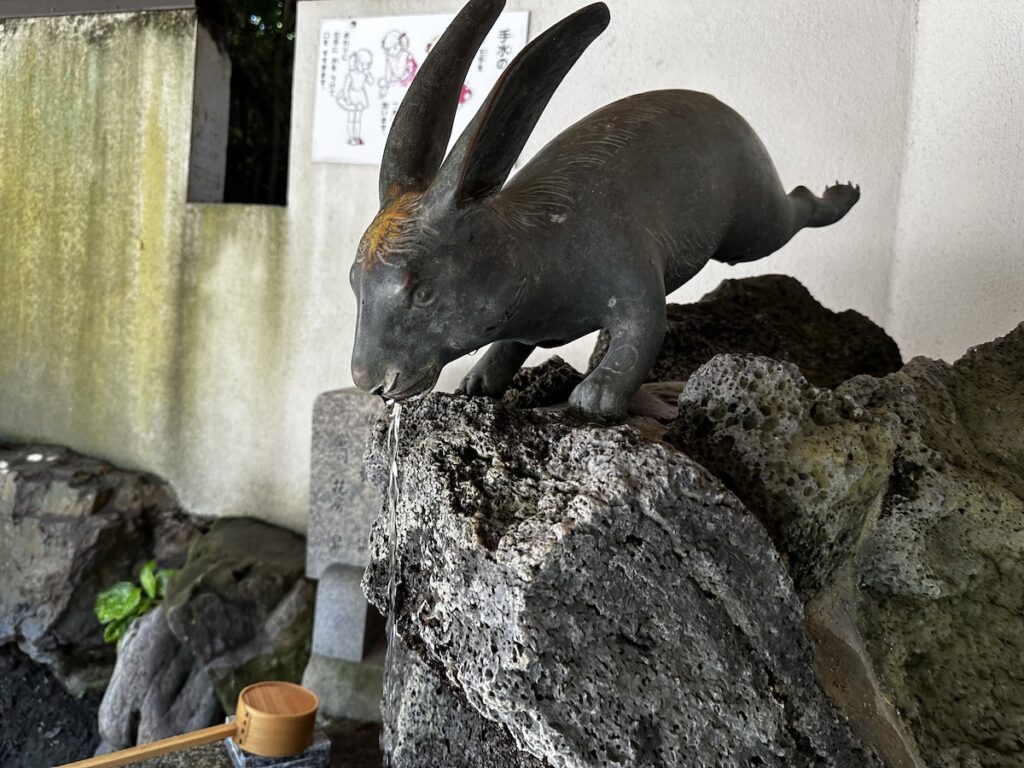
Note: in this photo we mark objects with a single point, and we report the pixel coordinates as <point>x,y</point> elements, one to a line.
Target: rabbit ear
<point>482,159</point>
<point>419,135</point>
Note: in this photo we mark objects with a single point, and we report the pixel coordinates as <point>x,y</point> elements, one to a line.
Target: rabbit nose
<point>363,380</point>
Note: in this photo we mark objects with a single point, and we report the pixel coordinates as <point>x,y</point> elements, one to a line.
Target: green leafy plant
<point>119,606</point>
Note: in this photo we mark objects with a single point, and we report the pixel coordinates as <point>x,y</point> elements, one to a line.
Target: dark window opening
<point>258,37</point>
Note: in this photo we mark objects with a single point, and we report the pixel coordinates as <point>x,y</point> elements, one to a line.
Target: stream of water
<point>391,671</point>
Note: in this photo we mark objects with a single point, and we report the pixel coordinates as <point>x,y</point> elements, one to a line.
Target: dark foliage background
<point>259,36</point>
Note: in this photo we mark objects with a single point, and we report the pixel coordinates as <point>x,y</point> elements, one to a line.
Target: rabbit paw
<point>842,196</point>
<point>598,398</point>
<point>481,384</point>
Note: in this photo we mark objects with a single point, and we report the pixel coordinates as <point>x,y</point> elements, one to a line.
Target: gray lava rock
<point>941,574</point>
<point>243,606</point>
<point>808,462</point>
<point>925,604</point>
<point>540,386</point>
<point>158,688</point>
<point>550,384</point>
<point>71,526</point>
<point>600,596</point>
<point>430,724</point>
<point>772,316</point>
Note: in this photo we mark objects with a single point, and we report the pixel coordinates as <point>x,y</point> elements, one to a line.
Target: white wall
<point>826,85</point>
<point>959,266</point>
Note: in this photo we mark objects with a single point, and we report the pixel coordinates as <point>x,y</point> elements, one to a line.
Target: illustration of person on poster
<point>352,96</point>
<point>400,65</point>
<point>366,64</point>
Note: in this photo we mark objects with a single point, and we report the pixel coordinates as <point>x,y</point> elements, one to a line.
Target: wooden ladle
<point>271,720</point>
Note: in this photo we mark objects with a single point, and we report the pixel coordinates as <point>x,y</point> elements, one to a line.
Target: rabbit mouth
<point>423,384</point>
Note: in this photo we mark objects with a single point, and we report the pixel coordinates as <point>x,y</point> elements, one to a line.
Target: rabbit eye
<point>423,296</point>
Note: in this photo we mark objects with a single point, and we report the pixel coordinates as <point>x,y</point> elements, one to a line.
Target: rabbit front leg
<point>635,340</point>
<point>494,372</point>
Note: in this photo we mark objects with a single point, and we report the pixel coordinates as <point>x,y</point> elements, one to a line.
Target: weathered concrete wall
<point>91,162</point>
<point>132,325</point>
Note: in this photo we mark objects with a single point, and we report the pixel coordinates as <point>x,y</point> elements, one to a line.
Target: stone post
<point>346,667</point>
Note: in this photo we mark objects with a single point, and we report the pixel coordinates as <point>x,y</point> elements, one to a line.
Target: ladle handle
<point>156,748</point>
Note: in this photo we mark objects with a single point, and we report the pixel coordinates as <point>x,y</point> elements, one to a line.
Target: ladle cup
<point>271,720</point>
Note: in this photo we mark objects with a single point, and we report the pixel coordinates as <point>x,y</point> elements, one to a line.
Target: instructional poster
<point>366,66</point>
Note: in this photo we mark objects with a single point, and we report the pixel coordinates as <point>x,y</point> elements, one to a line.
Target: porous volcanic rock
<point>540,386</point>
<point>71,526</point>
<point>600,596</point>
<point>772,316</point>
<point>430,724</point>
<point>809,462</point>
<point>926,600</point>
<point>550,384</point>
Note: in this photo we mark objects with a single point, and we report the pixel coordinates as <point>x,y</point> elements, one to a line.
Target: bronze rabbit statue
<point>617,211</point>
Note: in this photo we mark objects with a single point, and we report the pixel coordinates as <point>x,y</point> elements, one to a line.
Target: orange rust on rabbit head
<point>393,231</point>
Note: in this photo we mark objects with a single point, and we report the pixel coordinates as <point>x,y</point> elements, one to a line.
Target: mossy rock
<point>243,606</point>
<point>898,504</point>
